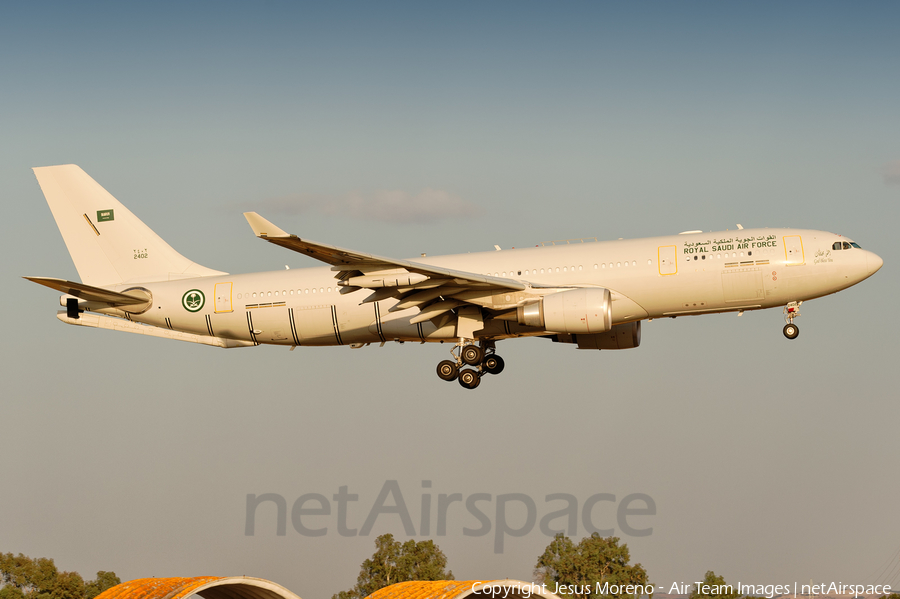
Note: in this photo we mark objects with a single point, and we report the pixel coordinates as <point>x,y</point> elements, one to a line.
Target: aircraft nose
<point>873,262</point>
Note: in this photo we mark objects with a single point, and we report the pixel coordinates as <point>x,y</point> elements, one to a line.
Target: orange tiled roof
<point>156,588</point>
<point>424,589</point>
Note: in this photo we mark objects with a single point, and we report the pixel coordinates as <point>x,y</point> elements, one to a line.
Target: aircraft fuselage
<point>678,275</point>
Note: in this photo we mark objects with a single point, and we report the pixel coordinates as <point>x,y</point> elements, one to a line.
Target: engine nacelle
<point>578,311</point>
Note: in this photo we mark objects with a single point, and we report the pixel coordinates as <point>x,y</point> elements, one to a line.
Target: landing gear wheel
<point>448,370</point>
<point>791,331</point>
<point>469,378</point>
<point>493,364</point>
<point>472,355</point>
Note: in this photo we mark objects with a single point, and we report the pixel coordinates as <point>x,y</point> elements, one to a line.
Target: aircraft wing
<point>435,290</point>
<point>88,293</point>
<point>348,261</point>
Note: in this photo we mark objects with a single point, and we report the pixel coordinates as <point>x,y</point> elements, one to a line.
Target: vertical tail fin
<point>108,244</point>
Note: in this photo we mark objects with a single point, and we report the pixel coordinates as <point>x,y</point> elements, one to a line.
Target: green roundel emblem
<point>193,300</point>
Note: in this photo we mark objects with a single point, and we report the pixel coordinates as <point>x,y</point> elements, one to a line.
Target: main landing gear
<point>481,358</point>
<point>791,311</point>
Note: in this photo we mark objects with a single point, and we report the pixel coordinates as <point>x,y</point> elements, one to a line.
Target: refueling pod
<point>621,336</point>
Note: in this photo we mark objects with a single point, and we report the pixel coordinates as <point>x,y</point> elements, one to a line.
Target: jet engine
<point>579,311</point>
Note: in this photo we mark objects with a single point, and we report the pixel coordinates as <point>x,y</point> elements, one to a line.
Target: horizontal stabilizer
<point>88,293</point>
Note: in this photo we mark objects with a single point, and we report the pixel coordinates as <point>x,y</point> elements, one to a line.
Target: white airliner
<point>584,292</point>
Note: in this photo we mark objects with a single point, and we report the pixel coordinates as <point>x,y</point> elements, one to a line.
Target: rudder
<point>108,243</point>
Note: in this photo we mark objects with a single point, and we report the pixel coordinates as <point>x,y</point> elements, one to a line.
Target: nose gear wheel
<point>791,311</point>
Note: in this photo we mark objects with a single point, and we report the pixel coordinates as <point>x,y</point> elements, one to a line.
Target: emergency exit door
<point>668,255</point>
<point>223,297</point>
<point>793,250</point>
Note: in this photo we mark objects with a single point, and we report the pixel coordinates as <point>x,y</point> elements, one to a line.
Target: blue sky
<point>768,461</point>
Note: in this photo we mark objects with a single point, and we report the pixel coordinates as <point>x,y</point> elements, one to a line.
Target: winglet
<point>263,228</point>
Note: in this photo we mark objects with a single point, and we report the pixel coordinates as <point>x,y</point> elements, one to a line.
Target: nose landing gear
<point>791,311</point>
<point>465,353</point>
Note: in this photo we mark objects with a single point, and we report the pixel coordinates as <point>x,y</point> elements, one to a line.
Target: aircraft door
<point>667,255</point>
<point>793,250</point>
<point>223,297</point>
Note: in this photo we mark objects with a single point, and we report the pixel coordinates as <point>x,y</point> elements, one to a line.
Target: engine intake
<point>578,311</point>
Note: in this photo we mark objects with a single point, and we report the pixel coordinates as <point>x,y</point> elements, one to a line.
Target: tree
<point>11,592</point>
<point>104,580</point>
<point>22,577</point>
<point>31,576</point>
<point>594,561</point>
<point>714,586</point>
<point>398,562</point>
<point>67,585</point>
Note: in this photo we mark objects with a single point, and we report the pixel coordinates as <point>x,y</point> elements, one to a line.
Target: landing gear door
<point>223,297</point>
<point>668,264</point>
<point>793,250</point>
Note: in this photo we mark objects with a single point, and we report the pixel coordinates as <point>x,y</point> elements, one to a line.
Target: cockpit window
<point>836,245</point>
<point>846,245</point>
<point>854,244</point>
